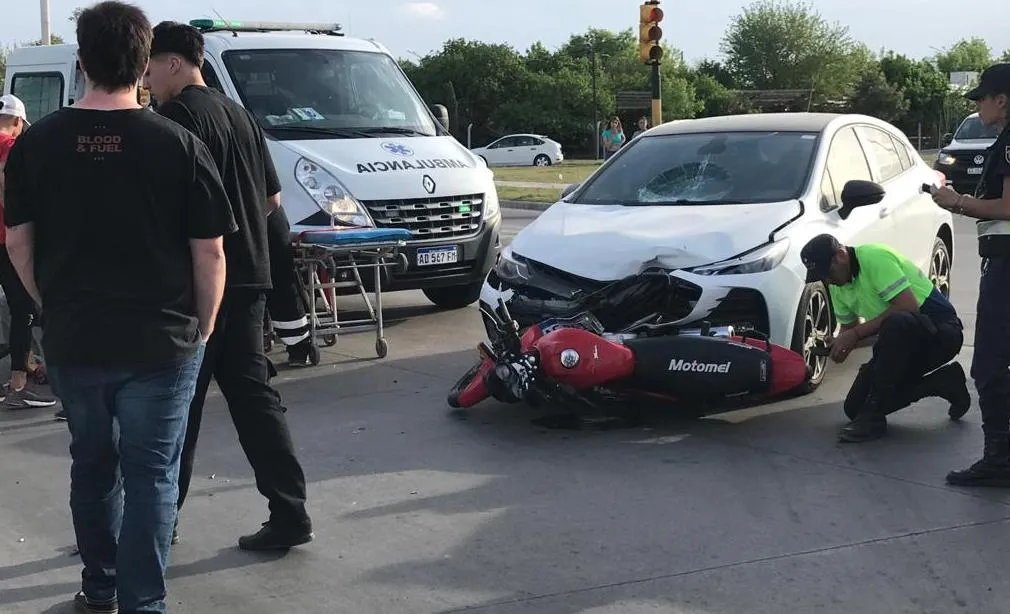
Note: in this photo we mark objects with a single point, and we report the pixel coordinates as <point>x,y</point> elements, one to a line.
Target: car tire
<point>541,160</point>
<point>814,324</point>
<point>454,297</point>
<point>940,266</point>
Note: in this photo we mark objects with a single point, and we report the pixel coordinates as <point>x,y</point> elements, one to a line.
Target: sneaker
<point>27,399</point>
<point>271,537</point>
<point>84,604</point>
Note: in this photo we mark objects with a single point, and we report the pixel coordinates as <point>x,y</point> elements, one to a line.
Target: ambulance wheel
<point>314,356</point>
<point>814,325</point>
<point>330,340</point>
<point>381,348</point>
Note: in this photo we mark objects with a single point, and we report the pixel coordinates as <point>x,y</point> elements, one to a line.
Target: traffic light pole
<point>657,96</point>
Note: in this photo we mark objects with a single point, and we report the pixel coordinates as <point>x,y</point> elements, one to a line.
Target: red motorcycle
<point>572,359</point>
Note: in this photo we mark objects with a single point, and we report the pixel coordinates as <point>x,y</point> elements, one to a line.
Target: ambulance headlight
<point>330,195</point>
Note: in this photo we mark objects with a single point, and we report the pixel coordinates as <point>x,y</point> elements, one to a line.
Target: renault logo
<point>429,184</point>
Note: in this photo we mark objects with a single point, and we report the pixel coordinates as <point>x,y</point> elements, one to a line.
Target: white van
<point>349,134</point>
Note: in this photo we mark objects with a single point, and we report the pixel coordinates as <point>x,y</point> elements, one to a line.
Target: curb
<point>525,205</point>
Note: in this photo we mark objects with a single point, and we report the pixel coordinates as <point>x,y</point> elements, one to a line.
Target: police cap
<point>994,80</point>
<point>817,255</point>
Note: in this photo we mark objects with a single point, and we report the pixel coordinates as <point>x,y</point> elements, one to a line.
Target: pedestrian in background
<point>990,205</point>
<point>613,138</point>
<point>115,218</point>
<point>16,394</point>
<point>235,353</point>
<point>643,125</point>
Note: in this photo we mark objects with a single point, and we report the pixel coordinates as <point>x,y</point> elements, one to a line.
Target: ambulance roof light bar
<point>222,25</point>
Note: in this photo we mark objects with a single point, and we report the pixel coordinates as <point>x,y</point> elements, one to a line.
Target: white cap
<point>12,105</point>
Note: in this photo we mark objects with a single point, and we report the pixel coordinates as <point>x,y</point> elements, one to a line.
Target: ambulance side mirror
<point>860,193</point>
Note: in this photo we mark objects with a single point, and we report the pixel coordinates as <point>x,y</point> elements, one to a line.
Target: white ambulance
<point>349,134</point>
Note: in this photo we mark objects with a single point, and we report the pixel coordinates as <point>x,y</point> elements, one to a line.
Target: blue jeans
<point>127,429</point>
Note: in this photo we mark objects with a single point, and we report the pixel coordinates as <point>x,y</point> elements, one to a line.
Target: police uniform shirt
<point>994,235</point>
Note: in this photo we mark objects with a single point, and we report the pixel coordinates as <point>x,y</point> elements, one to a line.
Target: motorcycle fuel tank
<point>697,367</point>
<point>582,359</point>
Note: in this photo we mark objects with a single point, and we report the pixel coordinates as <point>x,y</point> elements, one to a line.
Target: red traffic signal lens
<point>655,15</point>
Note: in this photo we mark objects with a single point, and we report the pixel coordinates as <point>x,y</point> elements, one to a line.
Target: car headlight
<point>511,268</point>
<point>945,159</point>
<point>758,261</point>
<point>491,204</point>
<point>331,195</point>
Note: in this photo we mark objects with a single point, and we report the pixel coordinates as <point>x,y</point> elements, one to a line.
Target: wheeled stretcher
<point>334,258</point>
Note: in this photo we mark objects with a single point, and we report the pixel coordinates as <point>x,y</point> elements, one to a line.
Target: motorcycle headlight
<point>511,268</point>
<point>758,261</point>
<point>330,195</point>
<point>945,159</point>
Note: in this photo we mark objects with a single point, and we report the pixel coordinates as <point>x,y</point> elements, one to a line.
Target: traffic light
<point>649,32</point>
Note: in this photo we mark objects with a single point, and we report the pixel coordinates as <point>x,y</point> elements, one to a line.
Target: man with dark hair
<point>235,354</point>
<point>115,218</point>
<point>918,332</point>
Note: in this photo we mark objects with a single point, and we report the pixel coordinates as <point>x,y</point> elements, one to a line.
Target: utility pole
<point>46,38</point>
<point>650,51</point>
<point>596,110</point>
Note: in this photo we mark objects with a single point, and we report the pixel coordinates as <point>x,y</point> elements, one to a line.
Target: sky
<point>914,27</point>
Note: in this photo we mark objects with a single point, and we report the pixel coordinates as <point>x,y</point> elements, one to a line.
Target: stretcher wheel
<point>381,348</point>
<point>330,340</point>
<point>314,356</point>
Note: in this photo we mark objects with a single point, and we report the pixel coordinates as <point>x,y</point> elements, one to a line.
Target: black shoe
<point>61,415</point>
<point>275,538</point>
<point>83,604</point>
<point>299,354</point>
<point>955,389</point>
<point>864,428</point>
<point>986,472</point>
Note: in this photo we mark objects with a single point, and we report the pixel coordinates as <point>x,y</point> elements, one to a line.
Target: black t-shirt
<point>990,186</point>
<point>115,197</point>
<point>239,148</point>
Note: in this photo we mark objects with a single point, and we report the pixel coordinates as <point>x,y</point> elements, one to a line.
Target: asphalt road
<point>418,509</point>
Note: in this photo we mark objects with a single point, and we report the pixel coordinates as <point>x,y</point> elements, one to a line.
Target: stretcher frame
<point>321,255</point>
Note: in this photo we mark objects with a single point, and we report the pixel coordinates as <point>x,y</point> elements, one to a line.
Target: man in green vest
<point>918,332</point>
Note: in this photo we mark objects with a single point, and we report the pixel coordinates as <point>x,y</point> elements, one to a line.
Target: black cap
<point>817,255</point>
<point>994,80</point>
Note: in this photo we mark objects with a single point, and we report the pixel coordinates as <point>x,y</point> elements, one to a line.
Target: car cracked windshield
<point>705,169</point>
<point>323,93</point>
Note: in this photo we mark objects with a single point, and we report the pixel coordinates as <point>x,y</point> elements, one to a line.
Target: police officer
<point>918,332</point>
<point>990,205</point>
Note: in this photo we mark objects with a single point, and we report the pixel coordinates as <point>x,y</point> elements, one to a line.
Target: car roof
<point>790,122</point>
<point>226,41</point>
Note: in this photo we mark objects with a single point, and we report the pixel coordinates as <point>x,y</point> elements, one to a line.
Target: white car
<point>521,150</point>
<point>723,205</point>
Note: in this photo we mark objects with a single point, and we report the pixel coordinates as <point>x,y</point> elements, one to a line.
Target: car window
<point>536,142</point>
<point>829,198</point>
<point>880,149</point>
<point>524,141</point>
<point>210,77</point>
<point>42,93</point>
<point>508,141</point>
<point>903,155</point>
<point>705,168</point>
<point>846,161</point>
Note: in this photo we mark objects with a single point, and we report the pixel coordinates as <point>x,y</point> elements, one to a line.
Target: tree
<point>875,96</point>
<point>778,45</point>
<point>971,54</point>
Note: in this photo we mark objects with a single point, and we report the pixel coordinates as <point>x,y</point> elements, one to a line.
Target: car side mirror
<point>568,190</point>
<point>860,193</point>
<point>441,114</point>
<point>946,140</point>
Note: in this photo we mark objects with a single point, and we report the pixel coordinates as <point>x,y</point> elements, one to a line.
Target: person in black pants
<point>235,355</point>
<point>990,206</point>
<point>284,303</point>
<point>17,395</point>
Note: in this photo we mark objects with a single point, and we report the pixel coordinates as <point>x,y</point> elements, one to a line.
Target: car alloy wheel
<point>939,267</point>
<point>541,160</point>
<point>816,332</point>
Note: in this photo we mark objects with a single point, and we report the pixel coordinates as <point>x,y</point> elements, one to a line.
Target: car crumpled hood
<point>610,242</point>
